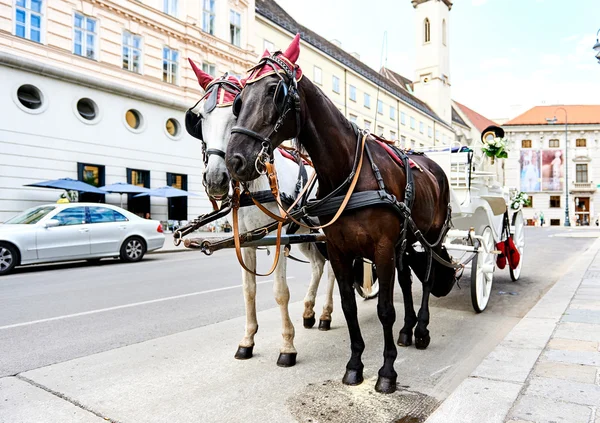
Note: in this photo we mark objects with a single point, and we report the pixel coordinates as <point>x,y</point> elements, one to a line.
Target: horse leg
<point>325,319</point>
<point>342,267</point>
<point>385,262</point>
<point>422,337</point>
<point>287,353</point>
<point>246,347</point>
<point>317,262</point>
<point>410,317</point>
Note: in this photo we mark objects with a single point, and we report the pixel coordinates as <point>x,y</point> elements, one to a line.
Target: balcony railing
<point>583,186</point>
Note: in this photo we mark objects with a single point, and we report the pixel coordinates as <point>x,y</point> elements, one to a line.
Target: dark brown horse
<point>278,104</point>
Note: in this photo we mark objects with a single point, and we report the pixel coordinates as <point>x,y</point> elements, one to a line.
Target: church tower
<point>432,74</point>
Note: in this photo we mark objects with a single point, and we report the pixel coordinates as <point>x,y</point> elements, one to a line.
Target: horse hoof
<point>353,377</point>
<point>404,340</point>
<point>324,324</point>
<point>385,385</point>
<point>310,322</point>
<point>286,359</point>
<point>244,353</point>
<point>422,343</point>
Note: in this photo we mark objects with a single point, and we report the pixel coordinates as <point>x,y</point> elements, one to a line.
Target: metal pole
<point>567,220</point>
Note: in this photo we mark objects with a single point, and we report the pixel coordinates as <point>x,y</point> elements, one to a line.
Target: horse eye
<point>271,90</point>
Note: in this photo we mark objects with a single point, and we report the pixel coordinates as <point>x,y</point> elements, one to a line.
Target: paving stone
<point>543,410</point>
<point>508,364</point>
<point>564,390</point>
<point>581,331</point>
<point>530,333</point>
<point>574,357</point>
<point>585,305</point>
<point>573,372</point>
<point>582,316</point>
<point>572,345</point>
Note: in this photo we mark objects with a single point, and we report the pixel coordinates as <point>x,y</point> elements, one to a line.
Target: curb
<point>489,393</point>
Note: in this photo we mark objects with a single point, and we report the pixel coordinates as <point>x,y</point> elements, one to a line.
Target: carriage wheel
<point>519,240</point>
<point>482,271</point>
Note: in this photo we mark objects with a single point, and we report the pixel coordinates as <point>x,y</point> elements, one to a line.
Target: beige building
<point>96,90</point>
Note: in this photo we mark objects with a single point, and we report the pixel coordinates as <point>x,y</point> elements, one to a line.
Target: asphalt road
<point>52,314</point>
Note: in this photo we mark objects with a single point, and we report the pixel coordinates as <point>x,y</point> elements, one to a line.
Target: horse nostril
<point>237,163</point>
<point>223,178</point>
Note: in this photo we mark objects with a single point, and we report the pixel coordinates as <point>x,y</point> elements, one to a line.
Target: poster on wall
<point>530,171</point>
<point>552,170</point>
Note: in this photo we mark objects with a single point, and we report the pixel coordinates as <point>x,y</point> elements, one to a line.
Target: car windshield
<point>30,216</point>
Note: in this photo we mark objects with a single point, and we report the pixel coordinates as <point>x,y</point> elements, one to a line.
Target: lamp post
<point>553,121</point>
<point>597,46</point>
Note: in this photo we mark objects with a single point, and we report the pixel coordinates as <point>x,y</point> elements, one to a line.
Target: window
<point>529,203</point>
<point>170,7</point>
<point>555,201</point>
<point>336,84</point>
<point>353,118</point>
<point>172,127</point>
<point>427,30</point>
<point>71,216</point>
<point>268,46</point>
<point>402,118</point>
<point>318,75</point>
<point>208,16</point>
<point>87,109</point>
<point>526,144</point>
<point>132,52</point>
<point>437,134</point>
<point>413,144</point>
<point>84,36</point>
<point>444,31</point>
<point>30,216</point>
<point>429,132</point>
<point>30,96</point>
<point>580,142</point>
<point>403,141</point>
<point>170,65</point>
<point>392,135</point>
<point>352,93</point>
<point>235,28</point>
<point>554,222</point>
<point>367,125</point>
<point>380,130</point>
<point>93,175</point>
<point>581,172</point>
<point>392,113</point>
<point>421,127</point>
<point>413,122</point>
<point>28,20</point>
<point>105,215</point>
<point>140,178</point>
<point>554,143</point>
<point>209,68</point>
<point>133,119</point>
<point>177,206</point>
<point>367,101</point>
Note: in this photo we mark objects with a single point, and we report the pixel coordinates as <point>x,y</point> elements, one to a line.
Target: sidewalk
<point>547,369</point>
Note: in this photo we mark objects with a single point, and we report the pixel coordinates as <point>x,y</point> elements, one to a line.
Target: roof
<point>576,114</point>
<point>456,117</point>
<point>415,3</point>
<point>270,10</point>
<point>480,122</point>
<point>398,79</point>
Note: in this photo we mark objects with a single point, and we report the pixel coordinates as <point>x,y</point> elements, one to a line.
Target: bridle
<point>286,99</point>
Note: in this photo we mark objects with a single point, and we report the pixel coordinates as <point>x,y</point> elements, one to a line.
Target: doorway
<point>178,206</point>
<point>93,175</point>
<point>138,205</point>
<point>582,211</point>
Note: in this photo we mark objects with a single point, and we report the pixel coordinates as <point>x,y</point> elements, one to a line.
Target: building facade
<point>555,149</point>
<point>96,90</point>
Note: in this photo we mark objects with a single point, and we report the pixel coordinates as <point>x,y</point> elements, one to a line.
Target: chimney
<point>355,55</point>
<point>337,43</point>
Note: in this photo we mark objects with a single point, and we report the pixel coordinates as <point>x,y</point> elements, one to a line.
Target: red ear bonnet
<point>203,78</point>
<point>293,51</point>
<point>265,69</point>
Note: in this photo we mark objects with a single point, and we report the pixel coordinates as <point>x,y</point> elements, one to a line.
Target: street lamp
<point>597,46</point>
<point>553,121</point>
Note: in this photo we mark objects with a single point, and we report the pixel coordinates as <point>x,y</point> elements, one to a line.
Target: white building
<point>537,162</point>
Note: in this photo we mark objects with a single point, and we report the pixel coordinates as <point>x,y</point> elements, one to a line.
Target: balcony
<point>583,187</point>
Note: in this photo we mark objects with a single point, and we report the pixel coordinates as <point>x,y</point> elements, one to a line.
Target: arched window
<point>444,31</point>
<point>427,30</point>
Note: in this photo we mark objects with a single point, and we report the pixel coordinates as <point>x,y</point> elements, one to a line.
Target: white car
<point>76,231</point>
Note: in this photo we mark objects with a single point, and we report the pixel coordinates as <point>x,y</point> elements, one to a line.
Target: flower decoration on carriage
<point>520,200</point>
<point>496,147</point>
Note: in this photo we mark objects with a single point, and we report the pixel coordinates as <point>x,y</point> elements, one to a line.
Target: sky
<point>506,56</point>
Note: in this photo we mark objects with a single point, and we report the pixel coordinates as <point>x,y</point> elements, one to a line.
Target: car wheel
<point>9,257</point>
<point>133,249</point>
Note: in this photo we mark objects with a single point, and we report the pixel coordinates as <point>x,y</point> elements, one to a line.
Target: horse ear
<point>293,51</point>
<point>203,78</point>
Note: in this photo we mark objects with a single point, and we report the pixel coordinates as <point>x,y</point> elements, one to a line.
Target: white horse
<point>215,120</point>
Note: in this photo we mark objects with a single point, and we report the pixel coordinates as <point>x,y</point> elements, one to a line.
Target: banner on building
<point>531,175</point>
<point>552,170</point>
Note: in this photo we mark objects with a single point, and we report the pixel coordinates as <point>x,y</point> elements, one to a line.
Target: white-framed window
<point>209,68</point>
<point>429,132</point>
<point>132,52</point>
<point>352,93</point>
<point>235,28</point>
<point>367,125</point>
<point>208,16</point>
<point>392,113</point>
<point>170,65</point>
<point>403,141</point>
<point>85,36</point>
<point>380,107</point>
<point>392,135</point>
<point>318,75</point>
<point>380,130</point>
<point>235,75</point>
<point>437,134</point>
<point>367,101</point>
<point>421,127</point>
<point>269,46</point>
<point>28,19</point>
<point>352,118</point>
<point>444,31</point>
<point>170,7</point>
<point>413,144</point>
<point>335,82</point>
<point>427,30</point>
<point>413,123</point>
<point>403,118</point>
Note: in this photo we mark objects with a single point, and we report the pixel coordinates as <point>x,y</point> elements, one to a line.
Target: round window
<point>87,109</point>
<point>172,127</point>
<point>29,96</point>
<point>133,119</point>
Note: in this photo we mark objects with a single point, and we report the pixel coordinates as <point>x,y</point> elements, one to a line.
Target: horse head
<point>268,112</point>
<point>211,120</point>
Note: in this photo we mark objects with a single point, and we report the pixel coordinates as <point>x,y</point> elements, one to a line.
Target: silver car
<point>76,231</point>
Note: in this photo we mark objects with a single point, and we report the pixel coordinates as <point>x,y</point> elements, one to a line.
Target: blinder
<point>280,96</point>
<point>237,105</point>
<point>193,124</point>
